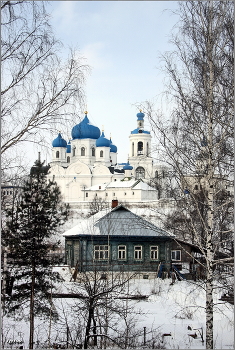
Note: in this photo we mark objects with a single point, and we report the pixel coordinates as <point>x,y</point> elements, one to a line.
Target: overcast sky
<point>122,42</point>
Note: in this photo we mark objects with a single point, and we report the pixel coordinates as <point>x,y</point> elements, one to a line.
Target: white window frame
<point>174,253</point>
<point>138,252</point>
<point>101,252</point>
<point>122,252</point>
<point>154,252</point>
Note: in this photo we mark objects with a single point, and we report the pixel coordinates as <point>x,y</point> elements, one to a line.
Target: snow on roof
<point>143,186</point>
<point>127,224</point>
<point>126,183</point>
<point>97,187</point>
<point>85,225</point>
<point>122,221</point>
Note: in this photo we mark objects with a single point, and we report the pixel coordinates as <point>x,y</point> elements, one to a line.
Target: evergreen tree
<point>30,226</point>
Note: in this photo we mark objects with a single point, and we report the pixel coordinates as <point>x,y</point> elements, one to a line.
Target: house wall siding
<point>83,247</point>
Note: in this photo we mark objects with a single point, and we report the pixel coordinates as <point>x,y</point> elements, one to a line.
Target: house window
<point>57,154</point>
<point>101,252</point>
<point>106,194</point>
<point>132,149</point>
<point>113,194</point>
<point>138,252</point>
<point>156,174</point>
<point>147,152</point>
<point>176,255</point>
<point>121,252</point>
<point>154,252</point>
<point>133,193</point>
<point>74,152</point>
<point>86,194</point>
<point>68,159</point>
<point>93,151</point>
<point>83,151</point>
<point>124,193</point>
<point>101,154</point>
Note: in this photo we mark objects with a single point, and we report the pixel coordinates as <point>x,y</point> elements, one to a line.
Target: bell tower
<point>140,149</point>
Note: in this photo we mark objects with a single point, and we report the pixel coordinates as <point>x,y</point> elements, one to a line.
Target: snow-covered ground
<point>168,311</point>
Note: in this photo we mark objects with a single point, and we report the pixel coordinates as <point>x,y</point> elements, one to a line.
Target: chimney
<point>114,203</point>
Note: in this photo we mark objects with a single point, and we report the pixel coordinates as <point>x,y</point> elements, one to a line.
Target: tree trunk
<point>31,311</point>
<point>210,184</point>
<point>209,306</point>
<point>88,326</point>
<point>94,330</point>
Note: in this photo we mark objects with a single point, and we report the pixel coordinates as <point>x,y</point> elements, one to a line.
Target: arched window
<point>68,159</point>
<point>132,149</point>
<point>74,152</point>
<point>140,148</point>
<point>57,154</point>
<point>83,151</point>
<point>101,154</point>
<point>147,150</point>
<point>140,172</point>
<point>93,151</point>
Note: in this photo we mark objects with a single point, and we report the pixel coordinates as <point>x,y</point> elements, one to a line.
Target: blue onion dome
<point>59,142</point>
<point>127,166</point>
<point>69,147</point>
<point>102,141</point>
<point>140,115</point>
<point>85,130</point>
<point>113,148</point>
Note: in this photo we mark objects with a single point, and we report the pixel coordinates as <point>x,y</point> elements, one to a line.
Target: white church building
<point>86,167</point>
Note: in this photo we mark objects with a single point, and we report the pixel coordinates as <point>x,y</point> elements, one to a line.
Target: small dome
<point>127,166</point>
<point>140,115</point>
<point>59,142</point>
<point>113,148</point>
<point>85,130</point>
<point>69,147</point>
<point>102,141</point>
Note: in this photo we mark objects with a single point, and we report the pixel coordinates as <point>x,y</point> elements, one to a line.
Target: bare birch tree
<point>40,89</point>
<point>197,138</point>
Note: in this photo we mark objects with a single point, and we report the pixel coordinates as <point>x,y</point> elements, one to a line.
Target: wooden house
<point>122,241</point>
<point>185,258</point>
